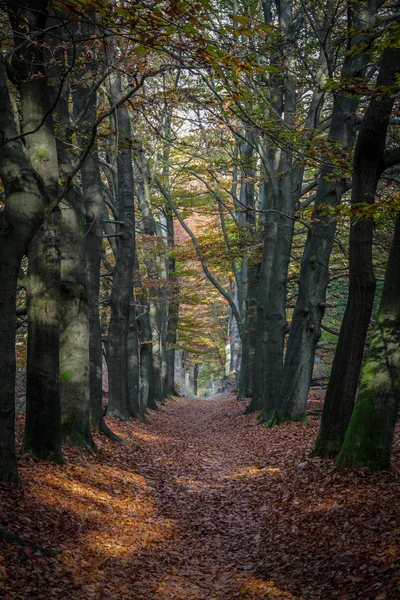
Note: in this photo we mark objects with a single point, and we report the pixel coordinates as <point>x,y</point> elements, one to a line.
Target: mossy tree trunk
<point>74,323</point>
<point>367,168</point>
<point>369,437</point>
<point>42,426</point>
<point>23,212</point>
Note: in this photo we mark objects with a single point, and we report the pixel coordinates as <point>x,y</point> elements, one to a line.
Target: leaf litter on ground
<point>211,506</point>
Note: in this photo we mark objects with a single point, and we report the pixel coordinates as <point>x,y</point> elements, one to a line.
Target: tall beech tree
<point>121,294</point>
<point>42,429</point>
<point>23,212</point>
<point>85,101</point>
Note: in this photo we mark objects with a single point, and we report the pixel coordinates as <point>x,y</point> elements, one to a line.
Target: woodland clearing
<point>211,506</point>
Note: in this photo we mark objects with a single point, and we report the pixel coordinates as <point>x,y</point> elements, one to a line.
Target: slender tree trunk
<point>195,378</point>
<point>152,261</point>
<point>234,339</point>
<point>93,199</point>
<point>369,437</point>
<point>147,393</point>
<point>121,295</point>
<point>133,367</point>
<point>368,166</point>
<point>246,373</point>
<point>173,303</point>
<point>94,209</point>
<point>172,327</point>
<point>163,300</point>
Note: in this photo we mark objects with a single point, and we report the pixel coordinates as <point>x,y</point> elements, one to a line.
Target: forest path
<point>210,507</point>
<point>204,478</point>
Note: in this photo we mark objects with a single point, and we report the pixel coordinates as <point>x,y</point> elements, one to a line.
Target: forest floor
<point>211,506</point>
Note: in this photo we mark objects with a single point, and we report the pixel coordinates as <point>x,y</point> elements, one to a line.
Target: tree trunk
<point>152,260</point>
<point>93,200</point>
<point>74,320</point>
<point>121,295</point>
<point>94,209</point>
<point>20,220</point>
<point>369,437</point>
<point>74,334</point>
<point>147,395</point>
<point>260,356</point>
<point>133,367</point>
<point>367,169</point>
<point>172,326</point>
<point>173,304</point>
<point>195,378</point>
<point>246,371</point>
<point>276,323</point>
<point>42,434</point>
<point>42,425</point>
<point>271,312</point>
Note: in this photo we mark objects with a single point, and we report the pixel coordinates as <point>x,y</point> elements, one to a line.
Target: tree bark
<point>152,260</point>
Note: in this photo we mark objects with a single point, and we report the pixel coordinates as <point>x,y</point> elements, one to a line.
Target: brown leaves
<point>213,506</point>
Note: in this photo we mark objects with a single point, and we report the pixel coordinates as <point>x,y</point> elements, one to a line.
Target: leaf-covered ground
<point>212,506</point>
